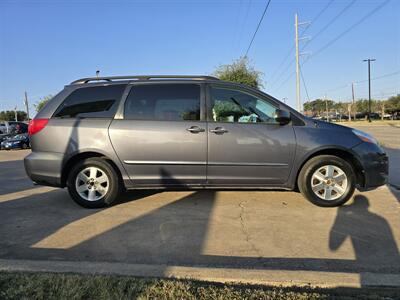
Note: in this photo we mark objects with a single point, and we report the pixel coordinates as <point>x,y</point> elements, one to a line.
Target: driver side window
<point>229,105</point>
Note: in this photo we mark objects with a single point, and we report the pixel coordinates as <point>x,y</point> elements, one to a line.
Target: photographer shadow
<point>370,234</point>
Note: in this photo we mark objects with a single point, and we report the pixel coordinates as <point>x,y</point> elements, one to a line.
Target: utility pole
<point>326,108</point>
<point>297,39</point>
<point>349,111</point>
<point>27,105</point>
<point>296,25</point>
<point>353,96</point>
<point>369,86</point>
<point>15,114</point>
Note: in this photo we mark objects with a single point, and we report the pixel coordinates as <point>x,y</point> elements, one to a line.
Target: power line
<point>287,67</point>
<point>282,63</point>
<point>284,71</point>
<point>379,77</point>
<point>244,21</point>
<point>333,20</point>
<point>342,86</point>
<point>301,35</point>
<point>237,20</point>
<point>319,14</point>
<point>372,12</point>
<point>290,75</point>
<point>258,26</point>
<point>304,84</point>
<point>286,80</point>
<point>379,95</point>
<point>362,81</point>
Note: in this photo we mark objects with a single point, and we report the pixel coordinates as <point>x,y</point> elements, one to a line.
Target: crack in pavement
<point>244,230</point>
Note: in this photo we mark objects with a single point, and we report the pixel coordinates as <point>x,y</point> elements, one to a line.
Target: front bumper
<point>44,168</point>
<point>375,165</point>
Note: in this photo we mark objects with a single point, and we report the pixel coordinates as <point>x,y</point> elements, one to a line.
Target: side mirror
<point>282,116</point>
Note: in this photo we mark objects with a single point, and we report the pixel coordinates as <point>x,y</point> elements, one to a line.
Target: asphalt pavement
<point>273,237</point>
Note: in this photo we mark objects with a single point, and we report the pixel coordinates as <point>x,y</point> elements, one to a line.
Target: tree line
<point>319,106</point>
<point>9,115</point>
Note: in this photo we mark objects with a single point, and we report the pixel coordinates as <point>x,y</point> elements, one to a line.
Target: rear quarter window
<point>91,102</point>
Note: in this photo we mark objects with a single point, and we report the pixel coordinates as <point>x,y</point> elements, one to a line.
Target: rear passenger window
<point>172,102</point>
<point>91,102</point>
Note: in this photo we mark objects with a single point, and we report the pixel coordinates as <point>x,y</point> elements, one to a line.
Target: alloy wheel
<point>92,183</point>
<point>329,182</point>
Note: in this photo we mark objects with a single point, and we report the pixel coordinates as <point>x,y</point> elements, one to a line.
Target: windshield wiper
<point>247,109</point>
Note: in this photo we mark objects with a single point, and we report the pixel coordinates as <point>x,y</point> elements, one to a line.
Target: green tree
<point>362,105</point>
<point>393,103</point>
<point>42,102</point>
<point>9,115</point>
<point>240,71</point>
<point>318,105</point>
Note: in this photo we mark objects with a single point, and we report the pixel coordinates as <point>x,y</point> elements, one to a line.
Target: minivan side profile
<point>101,136</point>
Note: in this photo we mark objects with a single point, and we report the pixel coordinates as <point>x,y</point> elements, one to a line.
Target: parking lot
<point>248,236</point>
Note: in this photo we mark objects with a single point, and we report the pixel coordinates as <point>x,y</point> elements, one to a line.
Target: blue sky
<point>47,44</point>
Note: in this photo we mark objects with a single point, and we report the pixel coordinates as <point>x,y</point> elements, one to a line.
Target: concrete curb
<point>224,275</point>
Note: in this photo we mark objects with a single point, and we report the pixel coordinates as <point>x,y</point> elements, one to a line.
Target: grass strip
<point>25,285</point>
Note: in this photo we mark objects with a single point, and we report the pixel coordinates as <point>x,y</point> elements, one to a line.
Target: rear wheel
<point>327,180</point>
<point>93,183</point>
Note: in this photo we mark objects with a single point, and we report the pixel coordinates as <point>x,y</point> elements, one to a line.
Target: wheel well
<point>347,156</point>
<point>74,159</point>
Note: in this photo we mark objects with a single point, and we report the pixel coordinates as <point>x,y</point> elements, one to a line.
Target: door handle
<point>195,129</point>
<point>219,130</point>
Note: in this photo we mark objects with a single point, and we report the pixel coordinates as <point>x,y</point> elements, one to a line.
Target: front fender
<point>312,141</point>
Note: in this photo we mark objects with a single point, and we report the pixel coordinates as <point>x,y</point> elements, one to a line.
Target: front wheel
<point>93,183</point>
<point>327,181</point>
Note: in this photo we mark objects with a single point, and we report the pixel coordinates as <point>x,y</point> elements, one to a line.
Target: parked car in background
<point>7,127</point>
<point>10,128</point>
<point>5,136</point>
<point>387,116</point>
<point>364,115</point>
<point>18,141</point>
<point>100,136</point>
<point>3,128</point>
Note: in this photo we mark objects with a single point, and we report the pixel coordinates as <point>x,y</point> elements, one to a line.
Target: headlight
<point>365,137</point>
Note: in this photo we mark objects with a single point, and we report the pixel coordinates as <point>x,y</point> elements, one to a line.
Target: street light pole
<point>369,86</point>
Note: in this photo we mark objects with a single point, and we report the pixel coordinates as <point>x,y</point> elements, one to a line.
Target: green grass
<point>73,286</point>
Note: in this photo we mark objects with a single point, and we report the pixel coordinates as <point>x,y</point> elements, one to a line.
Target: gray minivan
<point>100,136</point>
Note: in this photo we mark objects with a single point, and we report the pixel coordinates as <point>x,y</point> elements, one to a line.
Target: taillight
<point>36,125</point>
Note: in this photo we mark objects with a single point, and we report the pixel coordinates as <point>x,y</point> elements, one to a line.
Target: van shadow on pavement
<point>171,229</point>
<point>13,177</point>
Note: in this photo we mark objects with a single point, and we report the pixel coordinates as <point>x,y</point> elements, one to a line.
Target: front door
<point>246,146</point>
<point>161,139</point>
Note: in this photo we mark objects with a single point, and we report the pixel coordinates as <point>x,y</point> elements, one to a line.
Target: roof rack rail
<point>143,77</point>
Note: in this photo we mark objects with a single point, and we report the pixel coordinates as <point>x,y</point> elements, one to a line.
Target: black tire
<point>24,146</point>
<point>304,180</point>
<point>114,188</point>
